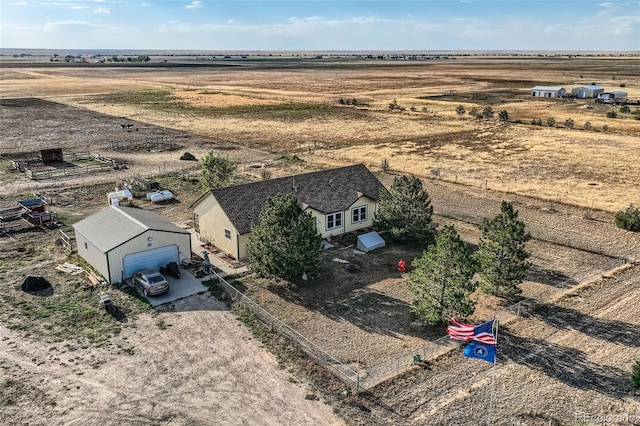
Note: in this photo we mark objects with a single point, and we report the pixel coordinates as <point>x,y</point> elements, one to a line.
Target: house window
<point>86,246</point>
<point>196,222</point>
<point>227,234</point>
<point>334,220</point>
<point>359,214</point>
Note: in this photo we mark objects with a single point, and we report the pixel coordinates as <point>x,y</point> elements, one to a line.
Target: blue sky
<point>321,25</point>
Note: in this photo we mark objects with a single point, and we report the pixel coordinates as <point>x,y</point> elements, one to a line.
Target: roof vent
<point>330,180</point>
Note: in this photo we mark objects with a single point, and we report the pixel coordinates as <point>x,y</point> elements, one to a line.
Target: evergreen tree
<point>285,242</point>
<point>635,374</point>
<point>569,123</point>
<point>487,112</point>
<point>503,115</point>
<point>501,255</point>
<point>442,279</point>
<point>216,172</point>
<point>460,109</point>
<point>405,211</point>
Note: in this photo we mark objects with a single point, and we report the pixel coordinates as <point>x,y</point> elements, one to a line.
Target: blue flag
<point>478,350</point>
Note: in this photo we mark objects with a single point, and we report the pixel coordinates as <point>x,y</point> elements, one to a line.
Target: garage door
<point>149,259</point>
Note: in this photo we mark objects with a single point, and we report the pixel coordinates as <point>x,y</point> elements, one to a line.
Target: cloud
<point>195,4</point>
<point>52,26</point>
<point>145,4</point>
<point>18,3</point>
<point>102,9</point>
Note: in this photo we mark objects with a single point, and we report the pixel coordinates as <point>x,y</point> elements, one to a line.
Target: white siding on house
<point>213,222</point>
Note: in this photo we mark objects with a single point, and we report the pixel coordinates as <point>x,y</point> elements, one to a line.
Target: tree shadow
<point>567,365</point>
<point>566,318</point>
<point>550,277</point>
<point>355,302</point>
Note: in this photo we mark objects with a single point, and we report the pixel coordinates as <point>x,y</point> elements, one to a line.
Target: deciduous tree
<point>405,211</point>
<point>502,256</point>
<point>284,242</point>
<point>442,279</point>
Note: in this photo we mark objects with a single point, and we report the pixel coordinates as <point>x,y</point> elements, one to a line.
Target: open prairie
<point>294,105</point>
<point>569,357</point>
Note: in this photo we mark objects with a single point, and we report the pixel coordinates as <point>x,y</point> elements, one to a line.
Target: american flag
<point>482,333</point>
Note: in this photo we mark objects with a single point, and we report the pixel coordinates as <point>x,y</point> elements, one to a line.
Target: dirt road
<point>194,365</point>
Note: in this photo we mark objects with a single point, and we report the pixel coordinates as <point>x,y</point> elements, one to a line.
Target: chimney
<point>330,181</point>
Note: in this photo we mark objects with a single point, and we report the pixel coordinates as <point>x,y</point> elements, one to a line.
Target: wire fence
<point>399,364</point>
<point>345,373</point>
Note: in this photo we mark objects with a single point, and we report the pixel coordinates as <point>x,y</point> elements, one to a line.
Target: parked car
<point>150,282</point>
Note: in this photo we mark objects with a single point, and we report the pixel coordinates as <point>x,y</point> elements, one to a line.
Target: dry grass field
<point>295,108</point>
<point>568,356</point>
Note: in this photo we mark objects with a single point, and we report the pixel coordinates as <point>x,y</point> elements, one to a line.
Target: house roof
<point>591,87</point>
<point>548,88</point>
<point>113,226</point>
<point>326,191</point>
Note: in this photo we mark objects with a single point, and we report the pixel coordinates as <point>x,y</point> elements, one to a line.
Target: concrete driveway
<point>179,288</point>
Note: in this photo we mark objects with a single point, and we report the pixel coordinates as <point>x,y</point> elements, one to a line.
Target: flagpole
<point>493,373</point>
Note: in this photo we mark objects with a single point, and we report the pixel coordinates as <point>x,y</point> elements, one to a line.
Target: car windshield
<point>155,279</point>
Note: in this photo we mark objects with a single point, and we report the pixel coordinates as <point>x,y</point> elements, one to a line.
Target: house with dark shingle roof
<point>341,200</point>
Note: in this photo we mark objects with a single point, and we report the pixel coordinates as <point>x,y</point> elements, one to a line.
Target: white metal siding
<point>142,243</point>
<point>149,259</point>
<point>92,255</point>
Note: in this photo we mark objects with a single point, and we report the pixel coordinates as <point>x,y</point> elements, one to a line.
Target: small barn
<point>548,92</point>
<point>119,241</point>
<point>590,91</point>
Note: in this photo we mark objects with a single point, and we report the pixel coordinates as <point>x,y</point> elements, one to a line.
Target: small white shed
<point>370,241</point>
<point>548,92</point>
<point>119,241</point>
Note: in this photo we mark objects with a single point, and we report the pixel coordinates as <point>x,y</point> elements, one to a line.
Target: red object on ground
<point>402,265</point>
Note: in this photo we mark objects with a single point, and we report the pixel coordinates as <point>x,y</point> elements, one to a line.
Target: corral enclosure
<point>255,114</point>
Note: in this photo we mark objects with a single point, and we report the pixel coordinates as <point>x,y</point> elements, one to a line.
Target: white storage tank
<point>158,196</point>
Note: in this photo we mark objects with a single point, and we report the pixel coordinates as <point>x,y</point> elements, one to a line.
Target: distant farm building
<point>590,91</point>
<point>614,97</point>
<point>548,92</point>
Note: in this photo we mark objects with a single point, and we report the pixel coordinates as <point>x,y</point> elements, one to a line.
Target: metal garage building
<point>119,241</point>
<point>584,92</point>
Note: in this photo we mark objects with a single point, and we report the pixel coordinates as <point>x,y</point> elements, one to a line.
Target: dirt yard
<point>196,364</point>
